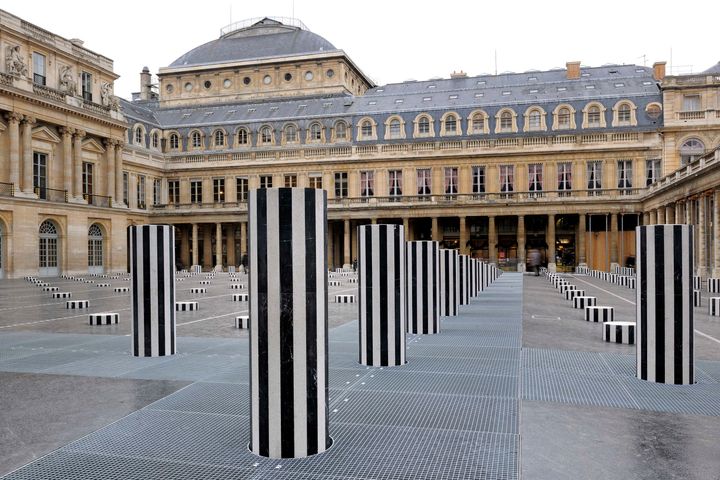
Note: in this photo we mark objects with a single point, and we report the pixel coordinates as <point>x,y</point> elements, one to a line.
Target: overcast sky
<point>397,40</point>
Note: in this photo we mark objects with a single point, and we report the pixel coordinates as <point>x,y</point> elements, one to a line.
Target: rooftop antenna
<point>644,57</point>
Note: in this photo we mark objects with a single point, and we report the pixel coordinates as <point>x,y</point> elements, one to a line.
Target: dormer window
<point>138,135</point>
<point>174,141</point>
<point>340,131</point>
<point>266,136</point>
<point>155,140</point>
<point>315,132</point>
<point>196,140</point>
<point>242,137</point>
<point>219,138</point>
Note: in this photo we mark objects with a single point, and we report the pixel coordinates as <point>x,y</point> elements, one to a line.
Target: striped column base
<point>242,321</point>
<point>205,282</point>
<point>334,283</point>
<point>571,294</point>
<point>241,297</point>
<point>75,304</point>
<point>180,279</point>
<point>344,298</point>
<point>714,306</point>
<point>584,301</point>
<point>62,295</point>
<point>103,318</point>
<point>631,282</point>
<point>42,284</point>
<point>121,289</point>
<point>210,277</point>
<point>79,279</point>
<point>231,269</point>
<point>352,280</point>
<point>697,282</point>
<point>599,314</point>
<point>236,286</point>
<point>50,289</point>
<point>613,278</point>
<point>619,332</point>
<point>103,285</point>
<point>198,290</point>
<point>89,281</point>
<point>713,285</point>
<point>697,298</point>
<point>186,306</point>
<point>564,288</point>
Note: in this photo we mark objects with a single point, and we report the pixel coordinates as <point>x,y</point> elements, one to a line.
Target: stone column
<point>119,201</point>
<point>230,244</point>
<point>288,322</point>
<point>670,214</point>
<point>435,230</point>
<point>521,243</point>
<point>381,302</point>
<point>581,257</point>
<point>661,220</point>
<point>463,236</point>
<point>652,219</point>
<point>664,318</point>
<point>184,247</point>
<point>346,243</point>
<point>614,242</point>
<point>492,239</point>
<point>243,241</point>
<point>550,240</point>
<point>207,246</point>
<point>27,174</point>
<point>406,229</point>
<point>702,269</point>
<point>13,120</point>
<point>77,166</point>
<point>218,247</point>
<point>195,253</point>
<point>646,218</point>
<point>331,245</point>
<point>153,289</point>
<point>679,213</point>
<point>67,134</point>
<point>716,234</point>
<point>110,160</point>
<point>423,287</point>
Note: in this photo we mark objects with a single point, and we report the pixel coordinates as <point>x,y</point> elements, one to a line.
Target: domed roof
<point>265,38</point>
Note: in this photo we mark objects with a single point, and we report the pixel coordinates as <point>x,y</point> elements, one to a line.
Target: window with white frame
<point>218,190</point>
<point>451,180</point>
<point>534,120</point>
<point>86,82</point>
<point>341,131</point>
<point>478,123</point>
<point>593,114</point>
<point>241,189</point>
<point>624,174</point>
<point>196,140</point>
<point>395,183</point>
<point>87,179</point>
<point>451,126</point>
<point>266,181</point>
<point>174,141</point>
<point>366,129</point>
<point>507,177</point>
<point>394,128</point>
<point>290,134</point>
<point>594,176</point>
<point>341,184</point>
<point>290,180</point>
<point>155,140</point>
<point>138,135</point>
<point>266,137</point>
<point>624,114</point>
<point>315,180</point>
<point>242,137</point>
<point>506,122</point>
<point>424,181</point>
<point>478,179</point>
<point>691,150</point>
<point>157,191</point>
<point>38,68</point>
<point>564,118</point>
<point>535,177</point>
<point>141,192</point>
<point>367,183</point>
<point>196,191</point>
<point>126,188</point>
<point>564,178</point>
<point>691,103</point>
<point>174,191</point>
<point>652,171</point>
<point>424,125</point>
<point>219,138</point>
<point>315,132</point>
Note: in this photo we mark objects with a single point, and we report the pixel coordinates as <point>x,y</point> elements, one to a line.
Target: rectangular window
<point>241,186</point>
<point>86,79</point>
<point>196,191</point>
<point>594,117</point>
<point>157,190</point>
<point>126,188</point>
<point>219,190</point>
<point>315,180</point>
<point>174,191</point>
<point>40,174</point>
<point>594,177</point>
<point>39,68</point>
<point>624,174</point>
<point>87,179</point>
<point>507,178</point>
<point>691,103</point>
<point>265,181</point>
<point>341,184</point>
<point>506,122</point>
<point>290,180</point>
<point>424,181</point>
<point>652,171</point>
<point>141,192</point>
<point>535,178</point>
<point>564,178</point>
<point>478,179</point>
<point>451,180</point>
<point>367,184</point>
<point>395,183</point>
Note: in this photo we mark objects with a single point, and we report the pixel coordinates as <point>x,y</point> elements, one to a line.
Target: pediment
<point>92,145</point>
<point>45,134</point>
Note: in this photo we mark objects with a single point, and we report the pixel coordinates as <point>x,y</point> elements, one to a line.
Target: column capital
<point>80,133</point>
<point>66,131</point>
<point>108,142</point>
<point>28,120</point>
<point>13,117</point>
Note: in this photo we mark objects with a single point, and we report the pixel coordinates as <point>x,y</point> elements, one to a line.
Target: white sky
<point>397,40</point>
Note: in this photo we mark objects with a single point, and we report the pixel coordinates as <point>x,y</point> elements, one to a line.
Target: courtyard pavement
<point>516,386</point>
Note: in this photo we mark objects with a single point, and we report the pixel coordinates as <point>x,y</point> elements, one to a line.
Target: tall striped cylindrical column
<point>151,250</point>
<point>473,277</point>
<point>423,286</point>
<point>449,286</point>
<point>288,322</point>
<point>665,335</point>
<point>381,278</point>
<point>480,276</point>
<point>464,276</point>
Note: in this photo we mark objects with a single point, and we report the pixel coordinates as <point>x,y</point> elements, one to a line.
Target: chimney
<point>459,74</point>
<point>659,71</point>
<point>145,84</point>
<point>573,70</point>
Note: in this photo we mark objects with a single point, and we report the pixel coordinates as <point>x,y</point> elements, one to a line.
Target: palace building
<point>567,161</point>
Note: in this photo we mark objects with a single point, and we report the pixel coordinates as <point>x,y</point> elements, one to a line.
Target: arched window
<point>451,124</point>
<point>593,116</point>
<point>315,132</point>
<point>242,136</point>
<point>564,118</point>
<point>624,114</point>
<point>290,134</point>
<point>341,131</point>
<point>196,140</point>
<point>534,121</point>
<point>691,150</point>
<point>266,136</point>
<point>155,140</point>
<point>394,128</point>
<point>174,141</point>
<point>424,125</point>
<point>219,138</point>
<point>95,249</point>
<point>506,121</point>
<point>366,129</point>
<point>138,135</point>
<point>48,249</point>
<point>478,123</point>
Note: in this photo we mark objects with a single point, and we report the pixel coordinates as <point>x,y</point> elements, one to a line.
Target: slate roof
<point>715,69</point>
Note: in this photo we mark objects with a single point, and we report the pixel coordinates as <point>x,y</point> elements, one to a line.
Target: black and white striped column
<point>288,322</point>
<point>665,336</point>
<point>151,251</point>
<point>423,287</point>
<point>464,278</point>
<point>449,286</point>
<point>381,275</point>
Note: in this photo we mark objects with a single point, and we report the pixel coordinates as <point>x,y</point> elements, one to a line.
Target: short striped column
<point>599,314</point>
<point>107,318</point>
<point>381,288</point>
<point>288,322</point>
<point>423,287</point>
<point>713,285</point>
<point>584,301</point>
<point>575,292</point>
<point>619,332</point>
<point>665,343</point>
<point>697,298</point>
<point>151,251</point>
<point>697,282</point>
<point>449,286</point>
<point>464,278</point>
<point>714,306</point>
